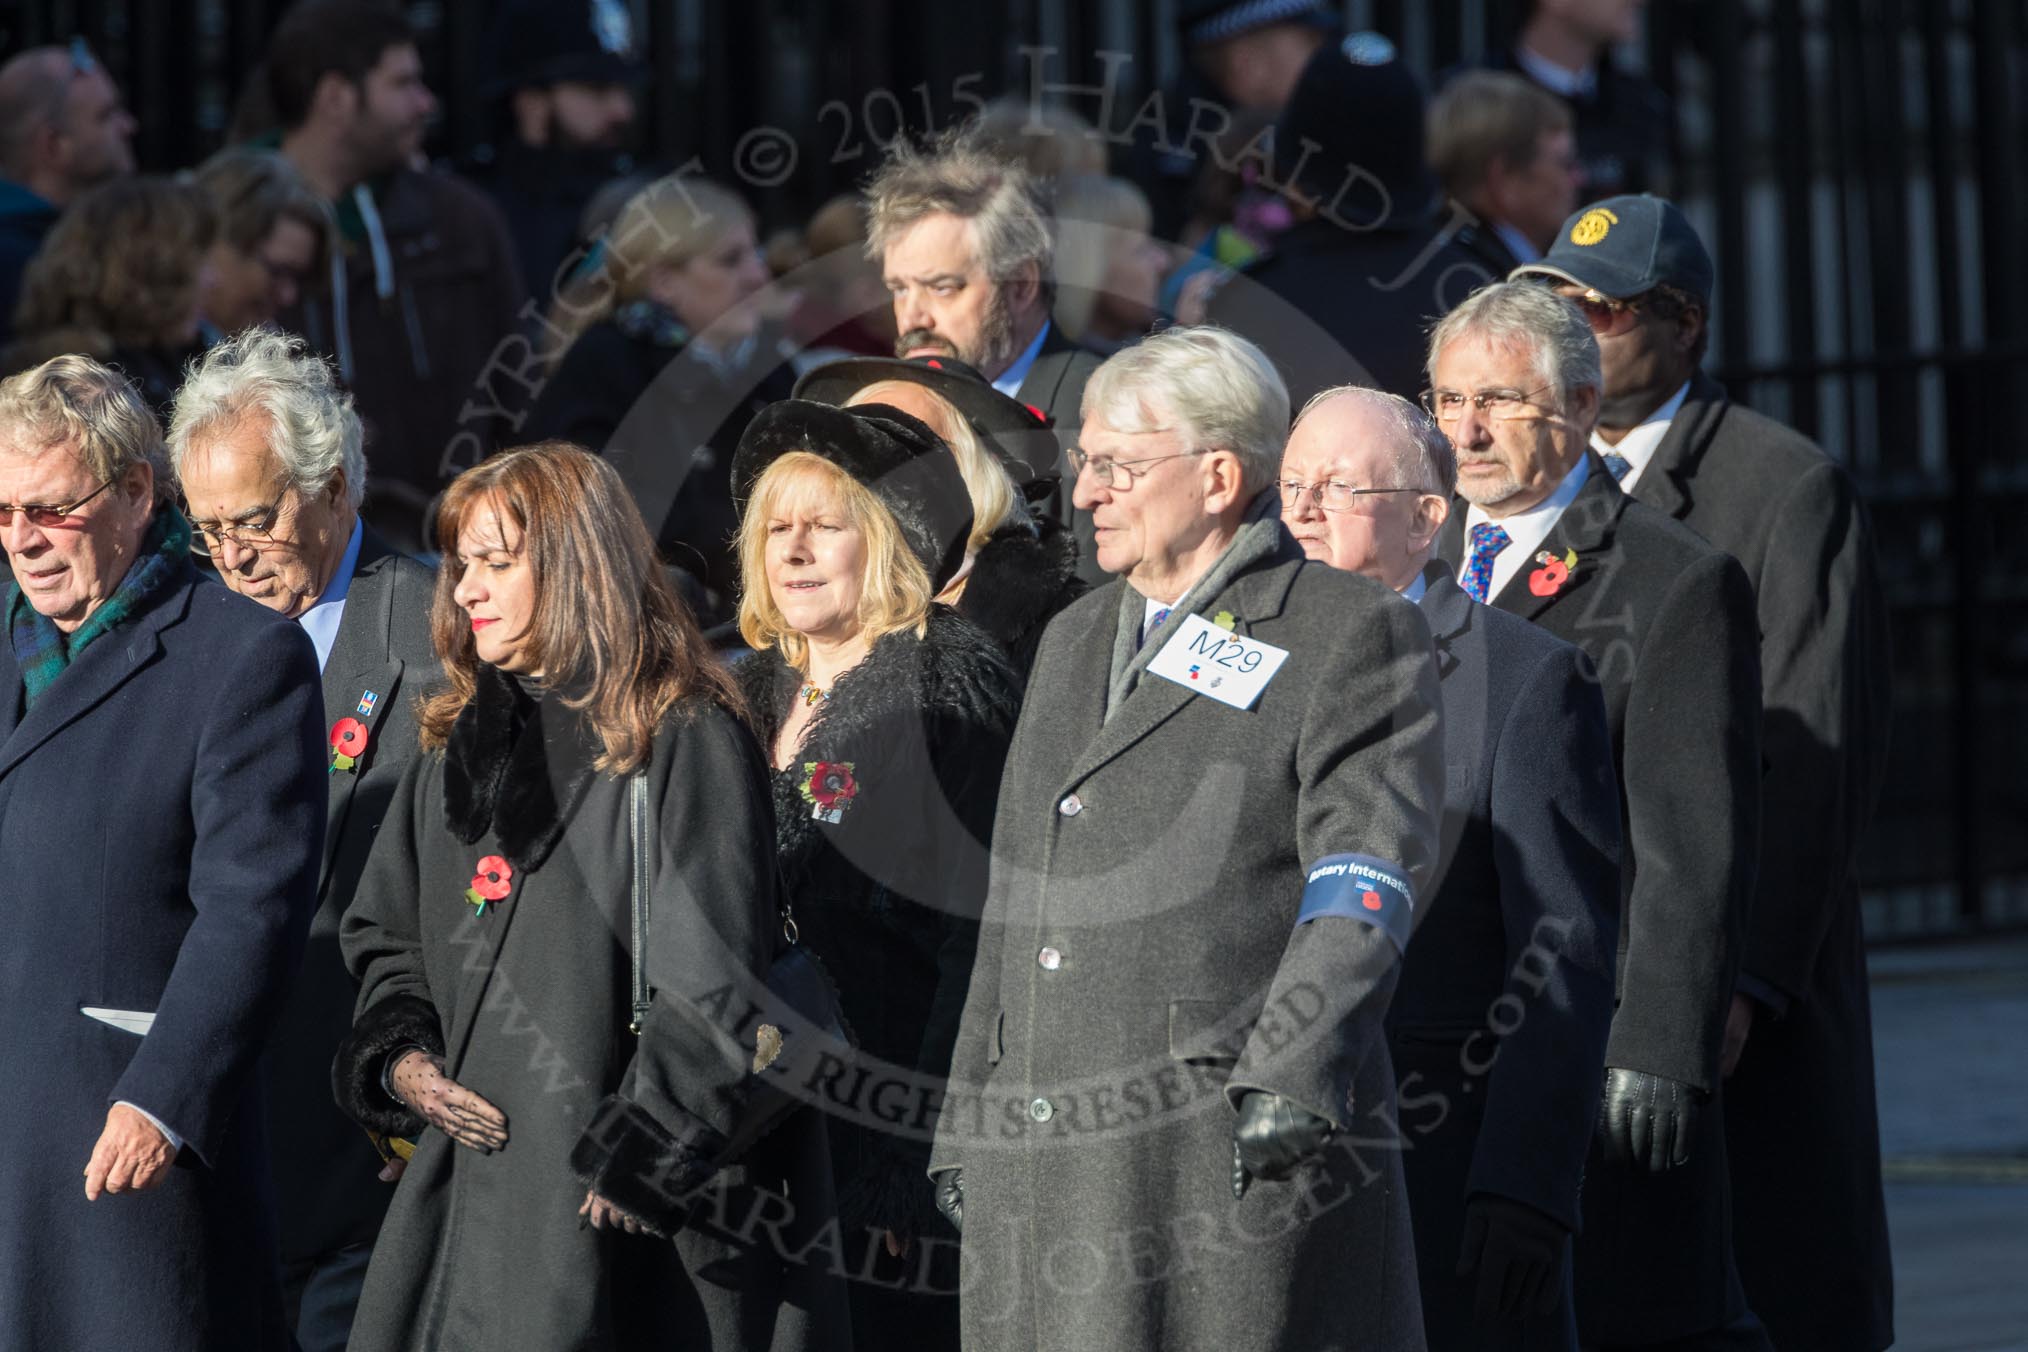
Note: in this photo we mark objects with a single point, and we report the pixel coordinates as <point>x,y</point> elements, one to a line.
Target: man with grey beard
<point>964,244</point>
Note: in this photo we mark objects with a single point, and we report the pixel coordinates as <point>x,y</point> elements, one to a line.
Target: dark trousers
<point>1744,1334</point>
<point>321,1294</point>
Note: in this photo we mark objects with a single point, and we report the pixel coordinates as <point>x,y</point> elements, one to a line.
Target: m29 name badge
<point>1228,667</point>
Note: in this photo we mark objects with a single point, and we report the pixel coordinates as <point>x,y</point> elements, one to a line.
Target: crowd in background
<point>530,449</point>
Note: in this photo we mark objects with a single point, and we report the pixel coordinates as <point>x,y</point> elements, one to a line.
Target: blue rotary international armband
<point>1360,887</point>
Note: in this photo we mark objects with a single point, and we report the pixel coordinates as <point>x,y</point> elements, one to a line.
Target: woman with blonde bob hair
<point>1020,565</point>
<point>886,717</point>
<point>666,352</point>
<point>589,807</point>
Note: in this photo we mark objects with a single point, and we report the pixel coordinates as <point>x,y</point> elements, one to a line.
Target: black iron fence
<point>1856,166</point>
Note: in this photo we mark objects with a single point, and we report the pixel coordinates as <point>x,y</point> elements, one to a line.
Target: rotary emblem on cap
<point>1592,226</point>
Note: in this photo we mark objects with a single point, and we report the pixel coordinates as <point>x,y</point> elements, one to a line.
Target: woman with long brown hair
<point>589,813</point>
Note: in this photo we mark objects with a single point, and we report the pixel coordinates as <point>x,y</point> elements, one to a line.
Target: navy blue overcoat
<point>161,823</point>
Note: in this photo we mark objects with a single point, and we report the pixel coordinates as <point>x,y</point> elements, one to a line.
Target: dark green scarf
<point>42,651</point>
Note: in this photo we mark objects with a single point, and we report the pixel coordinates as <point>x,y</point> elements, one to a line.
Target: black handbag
<point>802,1021</point>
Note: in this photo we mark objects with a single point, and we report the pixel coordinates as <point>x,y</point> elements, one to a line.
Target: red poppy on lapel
<point>491,881</point>
<point>1554,572</point>
<point>348,744</point>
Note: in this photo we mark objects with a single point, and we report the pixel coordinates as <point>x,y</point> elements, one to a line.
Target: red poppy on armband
<point>1360,887</point>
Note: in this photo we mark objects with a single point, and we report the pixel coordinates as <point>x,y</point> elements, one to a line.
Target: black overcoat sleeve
<point>257,817</point>
<point>381,938</point>
<point>1823,671</point>
<point>713,926</point>
<point>1691,763</point>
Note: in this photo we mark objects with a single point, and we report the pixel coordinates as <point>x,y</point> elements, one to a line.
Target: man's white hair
<point>313,429</point>
<point>1213,386</point>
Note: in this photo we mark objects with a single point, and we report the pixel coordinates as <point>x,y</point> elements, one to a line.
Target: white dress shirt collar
<point>1526,530</point>
<point>1638,446</point>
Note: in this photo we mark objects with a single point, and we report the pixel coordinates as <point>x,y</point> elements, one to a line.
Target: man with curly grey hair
<point>266,448</point>
<point>965,243</point>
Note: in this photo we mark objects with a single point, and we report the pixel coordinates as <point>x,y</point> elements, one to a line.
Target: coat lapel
<point>1584,529</point>
<point>1253,596</point>
<point>361,665</point>
<point>1449,611</point>
<point>1665,485</point>
<point>103,668</point>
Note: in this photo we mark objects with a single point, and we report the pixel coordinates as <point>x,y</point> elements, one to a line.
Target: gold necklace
<point>811,694</point>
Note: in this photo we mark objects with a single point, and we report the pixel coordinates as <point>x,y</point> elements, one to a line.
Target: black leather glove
<point>1648,1120</point>
<point>1518,1253</point>
<point>951,1197</point>
<point>1272,1137</point>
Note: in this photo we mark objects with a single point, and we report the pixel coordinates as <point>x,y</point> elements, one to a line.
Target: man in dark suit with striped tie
<point>1668,621</point>
<point>1803,1137</point>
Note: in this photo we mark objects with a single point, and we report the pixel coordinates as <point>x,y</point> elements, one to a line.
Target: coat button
<point>1071,806</point>
<point>1050,959</point>
<point>1042,1110</point>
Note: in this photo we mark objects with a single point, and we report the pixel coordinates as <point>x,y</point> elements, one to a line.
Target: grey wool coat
<point>1142,964</point>
<point>529,1004</point>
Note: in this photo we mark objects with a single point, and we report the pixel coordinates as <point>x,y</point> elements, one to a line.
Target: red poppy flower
<point>831,784</point>
<point>348,737</point>
<point>1545,580</point>
<point>494,878</point>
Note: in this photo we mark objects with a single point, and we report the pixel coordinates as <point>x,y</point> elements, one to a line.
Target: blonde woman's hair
<point>1093,214</point>
<point>665,224</point>
<point>995,501</point>
<point>895,589</point>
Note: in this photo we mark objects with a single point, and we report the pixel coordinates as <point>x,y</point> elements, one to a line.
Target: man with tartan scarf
<point>161,824</point>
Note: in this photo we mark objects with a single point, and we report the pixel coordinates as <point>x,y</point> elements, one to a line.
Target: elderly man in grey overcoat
<point>1172,1117</point>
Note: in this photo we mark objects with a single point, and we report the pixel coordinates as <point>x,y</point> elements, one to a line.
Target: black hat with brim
<point>1019,434</point>
<point>898,458</point>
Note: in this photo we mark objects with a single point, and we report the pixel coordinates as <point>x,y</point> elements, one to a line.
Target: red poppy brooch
<point>830,789</point>
<point>348,745</point>
<point>492,880</point>
<point>1554,572</point>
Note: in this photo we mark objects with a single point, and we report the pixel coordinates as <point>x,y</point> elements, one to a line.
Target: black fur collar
<point>1018,580</point>
<point>515,765</point>
<point>953,669</point>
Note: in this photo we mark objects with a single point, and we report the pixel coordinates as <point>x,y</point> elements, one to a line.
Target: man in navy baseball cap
<point>1624,247</point>
<point>1802,1140</point>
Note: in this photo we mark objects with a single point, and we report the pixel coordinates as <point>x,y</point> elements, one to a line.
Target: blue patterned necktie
<point>1487,541</point>
<point>1617,465</point>
<point>1154,623</point>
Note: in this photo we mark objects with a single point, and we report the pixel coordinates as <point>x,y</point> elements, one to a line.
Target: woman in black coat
<point>557,1149</point>
<point>1020,565</point>
<point>668,354</point>
<point>886,718</point>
